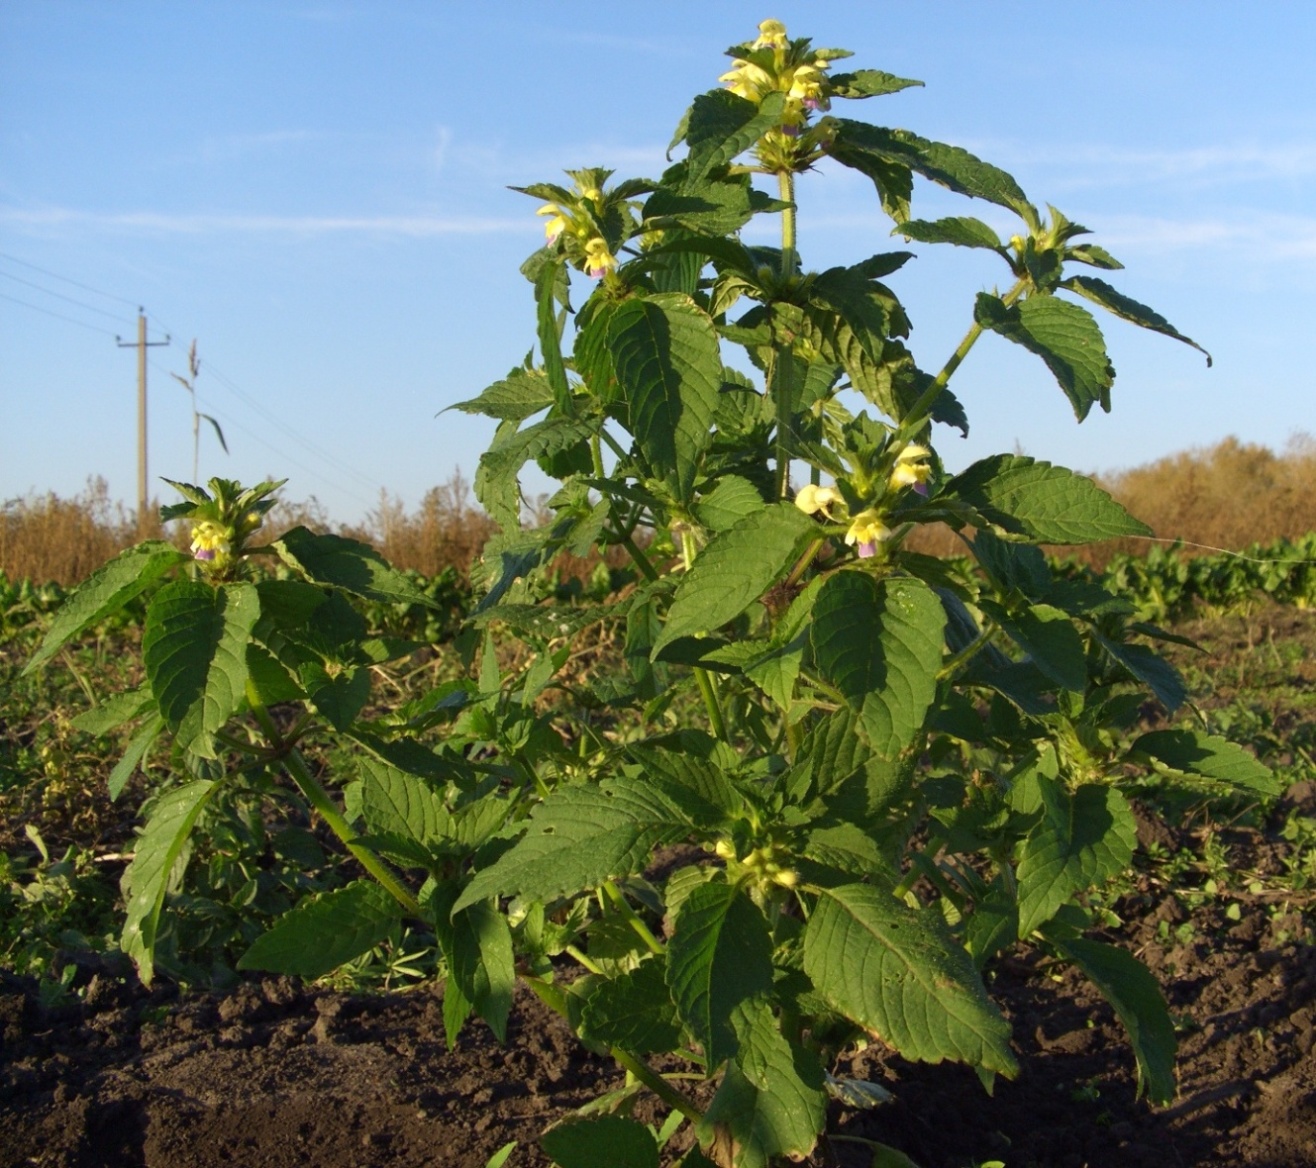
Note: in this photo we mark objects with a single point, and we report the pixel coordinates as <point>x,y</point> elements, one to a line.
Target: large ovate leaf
<point>633,1010</point>
<point>961,230</point>
<point>402,806</point>
<point>1064,335</point>
<point>719,955</point>
<point>899,974</point>
<point>880,643</point>
<point>324,932</point>
<point>105,591</point>
<point>722,125</point>
<point>1129,986</point>
<point>1040,503</point>
<point>1149,668</point>
<point>600,1141</point>
<point>1126,308</point>
<point>1191,752</point>
<point>1081,840</point>
<point>1049,638</point>
<point>732,500</point>
<point>770,1103</point>
<point>195,649</point>
<point>735,569</point>
<point>868,83</point>
<point>348,564</point>
<point>520,394</point>
<point>667,360</point>
<point>146,881</point>
<point>579,837</point>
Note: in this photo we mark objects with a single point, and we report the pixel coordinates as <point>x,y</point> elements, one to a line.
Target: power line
<point>58,315</point>
<point>68,299</point>
<point>67,280</point>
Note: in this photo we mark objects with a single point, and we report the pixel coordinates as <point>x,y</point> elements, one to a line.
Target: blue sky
<point>317,193</point>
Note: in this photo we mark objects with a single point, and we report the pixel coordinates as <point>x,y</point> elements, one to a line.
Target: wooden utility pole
<point>141,344</point>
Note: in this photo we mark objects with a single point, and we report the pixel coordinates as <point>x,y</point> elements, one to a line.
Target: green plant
<point>830,779</point>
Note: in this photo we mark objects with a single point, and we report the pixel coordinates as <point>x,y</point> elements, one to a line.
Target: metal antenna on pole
<point>141,345</point>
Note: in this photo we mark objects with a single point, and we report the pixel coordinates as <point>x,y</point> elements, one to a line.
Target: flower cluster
<point>579,221</point>
<point>773,64</point>
<point>212,543</point>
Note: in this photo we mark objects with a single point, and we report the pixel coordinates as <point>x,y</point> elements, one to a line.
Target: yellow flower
<point>772,35</point>
<point>867,531</point>
<point>557,224</point>
<point>811,499</point>
<point>749,81</point>
<point>598,259</point>
<point>911,469</point>
<point>212,542</point>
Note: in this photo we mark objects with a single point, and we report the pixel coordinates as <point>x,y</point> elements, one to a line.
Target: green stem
<point>783,368</point>
<point>708,691</point>
<point>581,958</point>
<point>641,560</point>
<point>790,260</point>
<point>615,895</point>
<point>976,645</point>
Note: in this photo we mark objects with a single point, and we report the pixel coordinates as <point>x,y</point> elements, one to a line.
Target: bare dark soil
<point>278,1074</point>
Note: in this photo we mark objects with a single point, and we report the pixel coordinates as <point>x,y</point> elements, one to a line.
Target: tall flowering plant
<point>829,780</point>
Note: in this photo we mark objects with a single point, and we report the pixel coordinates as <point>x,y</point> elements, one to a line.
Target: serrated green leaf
<point>770,1102</point>
<point>1126,308</point>
<point>880,643</point>
<point>1192,753</point>
<point>1081,840</point>
<point>1149,668</point>
<point>1129,986</point>
<point>898,973</point>
<point>961,230</point>
<point>1049,638</point>
<point>521,394</point>
<point>115,711</point>
<point>579,837</point>
<point>719,955</point>
<point>730,501</point>
<point>735,569</point>
<point>155,854</point>
<point>868,83</point>
<point>132,757</point>
<point>722,125</point>
<point>1041,503</point>
<point>338,695</point>
<point>669,366</point>
<point>547,283</point>
<point>395,802</point>
<point>194,646</point>
<point>348,564</point>
<point>105,591</point>
<point>1065,336</point>
<point>322,933</point>
<point>836,764</point>
<point>633,1011</point>
<point>600,1141</point>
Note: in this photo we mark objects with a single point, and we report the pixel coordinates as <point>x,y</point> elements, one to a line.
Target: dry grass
<point>1228,496</point>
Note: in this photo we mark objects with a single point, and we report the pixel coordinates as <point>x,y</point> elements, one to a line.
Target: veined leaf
<point>1064,335</point>
<point>730,501</point>
<point>899,974</point>
<point>633,1010</point>
<point>115,711</point>
<point>1041,503</point>
<point>195,649</point>
<point>1149,668</point>
<point>132,757</point>
<point>1192,753</point>
<point>668,363</point>
<point>961,230</point>
<point>1081,840</point>
<point>880,643</point>
<point>522,393</point>
<point>579,837</point>
<point>868,83</point>
<point>324,932</point>
<point>735,569</point>
<point>723,126</point>
<point>1129,986</point>
<point>770,1102</point>
<point>547,282</point>
<point>600,1141</point>
<point>105,591</point>
<point>398,803</point>
<point>348,564</point>
<point>1049,638</point>
<point>477,945</point>
<point>719,955</point>
<point>145,882</point>
<point>1126,308</point>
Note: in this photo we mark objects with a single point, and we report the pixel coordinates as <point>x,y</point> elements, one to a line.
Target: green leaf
<point>105,591</point>
<point>600,1141</point>
<point>337,694</point>
<point>1129,986</point>
<point>770,1102</point>
<point>961,230</point>
<point>1041,503</point>
<point>880,643</point>
<point>1126,308</point>
<point>1192,753</point>
<point>719,955</point>
<point>1049,638</point>
<point>1149,668</point>
<point>633,1011</point>
<point>899,974</point>
<point>324,932</point>
<point>157,852</point>
<point>668,362</point>
<point>194,646</point>
<point>1081,840</point>
<point>867,83</point>
<point>132,757</point>
<point>730,501</point>
<point>723,125</point>
<point>394,802</point>
<point>520,394</point>
<point>735,569</point>
<point>348,564</point>
<point>546,285</point>
<point>579,837</point>
<point>1064,335</point>
<point>115,711</point>
<point>481,961</point>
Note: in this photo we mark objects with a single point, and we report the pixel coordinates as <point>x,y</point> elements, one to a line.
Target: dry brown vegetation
<point>1227,496</point>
